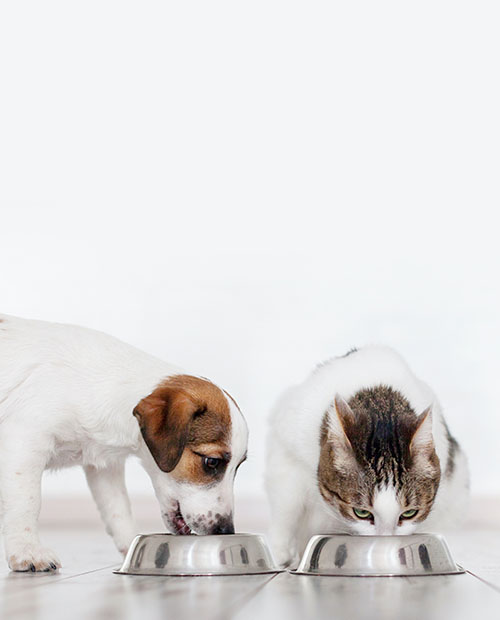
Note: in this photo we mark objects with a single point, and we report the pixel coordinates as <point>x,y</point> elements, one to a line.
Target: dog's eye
<point>210,464</point>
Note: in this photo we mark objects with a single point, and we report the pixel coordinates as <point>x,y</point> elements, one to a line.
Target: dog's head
<point>197,437</point>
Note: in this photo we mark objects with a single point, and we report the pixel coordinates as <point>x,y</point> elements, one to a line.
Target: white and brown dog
<point>74,396</point>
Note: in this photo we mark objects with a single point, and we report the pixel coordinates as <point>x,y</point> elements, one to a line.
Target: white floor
<point>86,587</point>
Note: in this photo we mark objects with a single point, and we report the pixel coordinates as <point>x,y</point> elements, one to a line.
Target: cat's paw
<point>286,558</point>
<point>33,558</point>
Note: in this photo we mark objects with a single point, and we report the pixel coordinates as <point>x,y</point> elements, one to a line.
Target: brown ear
<point>164,418</point>
<point>343,422</point>
<point>422,439</point>
<point>341,419</point>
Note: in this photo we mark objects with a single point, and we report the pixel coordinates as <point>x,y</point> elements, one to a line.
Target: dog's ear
<point>164,418</point>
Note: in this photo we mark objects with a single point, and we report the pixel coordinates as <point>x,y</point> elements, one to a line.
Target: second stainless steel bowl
<point>377,556</point>
<point>165,554</point>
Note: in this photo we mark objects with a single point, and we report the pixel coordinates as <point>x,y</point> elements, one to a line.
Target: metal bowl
<point>377,556</point>
<point>230,554</point>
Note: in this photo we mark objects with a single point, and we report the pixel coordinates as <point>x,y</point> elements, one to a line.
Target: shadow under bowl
<point>166,554</point>
<point>377,556</point>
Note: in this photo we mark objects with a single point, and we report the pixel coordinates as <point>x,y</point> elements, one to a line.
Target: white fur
<point>293,449</point>
<point>66,398</point>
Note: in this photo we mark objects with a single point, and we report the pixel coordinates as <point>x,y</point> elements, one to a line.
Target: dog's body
<point>306,437</point>
<point>68,396</point>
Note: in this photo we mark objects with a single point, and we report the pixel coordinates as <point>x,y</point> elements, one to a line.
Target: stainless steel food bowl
<point>165,554</point>
<point>377,556</point>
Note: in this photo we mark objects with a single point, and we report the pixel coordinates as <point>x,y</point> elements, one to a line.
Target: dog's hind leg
<point>21,468</point>
<point>107,486</point>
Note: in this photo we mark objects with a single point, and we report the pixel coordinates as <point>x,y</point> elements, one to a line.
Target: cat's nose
<point>385,531</point>
<point>385,528</point>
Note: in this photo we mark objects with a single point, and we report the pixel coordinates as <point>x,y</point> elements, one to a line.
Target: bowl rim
<point>194,536</point>
<point>437,535</point>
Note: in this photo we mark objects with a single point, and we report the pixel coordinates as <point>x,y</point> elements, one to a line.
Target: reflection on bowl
<point>377,556</point>
<point>165,554</point>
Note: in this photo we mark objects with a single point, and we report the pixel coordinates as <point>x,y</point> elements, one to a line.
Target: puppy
<point>361,447</point>
<point>73,396</point>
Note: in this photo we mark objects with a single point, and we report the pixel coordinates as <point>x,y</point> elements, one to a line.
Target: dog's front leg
<point>20,484</point>
<point>110,494</point>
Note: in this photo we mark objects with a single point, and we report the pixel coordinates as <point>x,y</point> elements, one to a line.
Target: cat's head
<point>378,470</point>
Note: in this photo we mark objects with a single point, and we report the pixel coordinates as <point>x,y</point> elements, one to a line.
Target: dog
<point>74,396</point>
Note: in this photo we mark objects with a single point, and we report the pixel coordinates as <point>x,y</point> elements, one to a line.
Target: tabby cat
<point>361,447</point>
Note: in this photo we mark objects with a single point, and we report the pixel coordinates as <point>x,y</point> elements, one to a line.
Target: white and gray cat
<point>361,447</point>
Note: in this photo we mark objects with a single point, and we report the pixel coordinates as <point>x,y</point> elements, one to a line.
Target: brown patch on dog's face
<point>193,467</point>
<point>185,421</point>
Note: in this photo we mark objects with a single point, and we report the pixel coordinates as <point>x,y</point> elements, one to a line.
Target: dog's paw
<point>33,558</point>
<point>123,542</point>
<point>123,549</point>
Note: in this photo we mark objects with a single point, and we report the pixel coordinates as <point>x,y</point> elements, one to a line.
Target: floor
<point>87,588</point>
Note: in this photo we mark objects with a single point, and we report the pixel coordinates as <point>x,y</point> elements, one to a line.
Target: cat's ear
<point>342,420</point>
<point>423,439</point>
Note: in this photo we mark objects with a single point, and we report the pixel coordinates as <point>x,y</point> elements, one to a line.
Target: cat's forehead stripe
<point>385,423</point>
<point>366,457</point>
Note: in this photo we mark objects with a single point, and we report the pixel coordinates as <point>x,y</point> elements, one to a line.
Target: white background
<point>247,188</point>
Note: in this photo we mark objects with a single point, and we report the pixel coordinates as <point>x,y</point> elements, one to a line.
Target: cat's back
<point>368,367</point>
<point>302,407</point>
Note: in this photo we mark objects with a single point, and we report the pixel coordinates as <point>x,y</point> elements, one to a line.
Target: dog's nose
<point>223,526</point>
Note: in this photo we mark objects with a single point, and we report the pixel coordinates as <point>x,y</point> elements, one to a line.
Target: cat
<point>361,447</point>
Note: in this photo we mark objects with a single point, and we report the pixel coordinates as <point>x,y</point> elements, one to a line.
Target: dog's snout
<point>224,526</point>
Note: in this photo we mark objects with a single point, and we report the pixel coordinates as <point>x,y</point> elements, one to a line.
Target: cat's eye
<point>362,514</point>
<point>408,514</point>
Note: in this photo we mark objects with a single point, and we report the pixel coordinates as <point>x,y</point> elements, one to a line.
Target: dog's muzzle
<point>223,526</point>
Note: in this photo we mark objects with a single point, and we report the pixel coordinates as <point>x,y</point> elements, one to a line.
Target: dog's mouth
<point>179,524</point>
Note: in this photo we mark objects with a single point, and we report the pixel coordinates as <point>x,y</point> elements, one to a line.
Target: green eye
<point>362,514</point>
<point>408,514</point>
